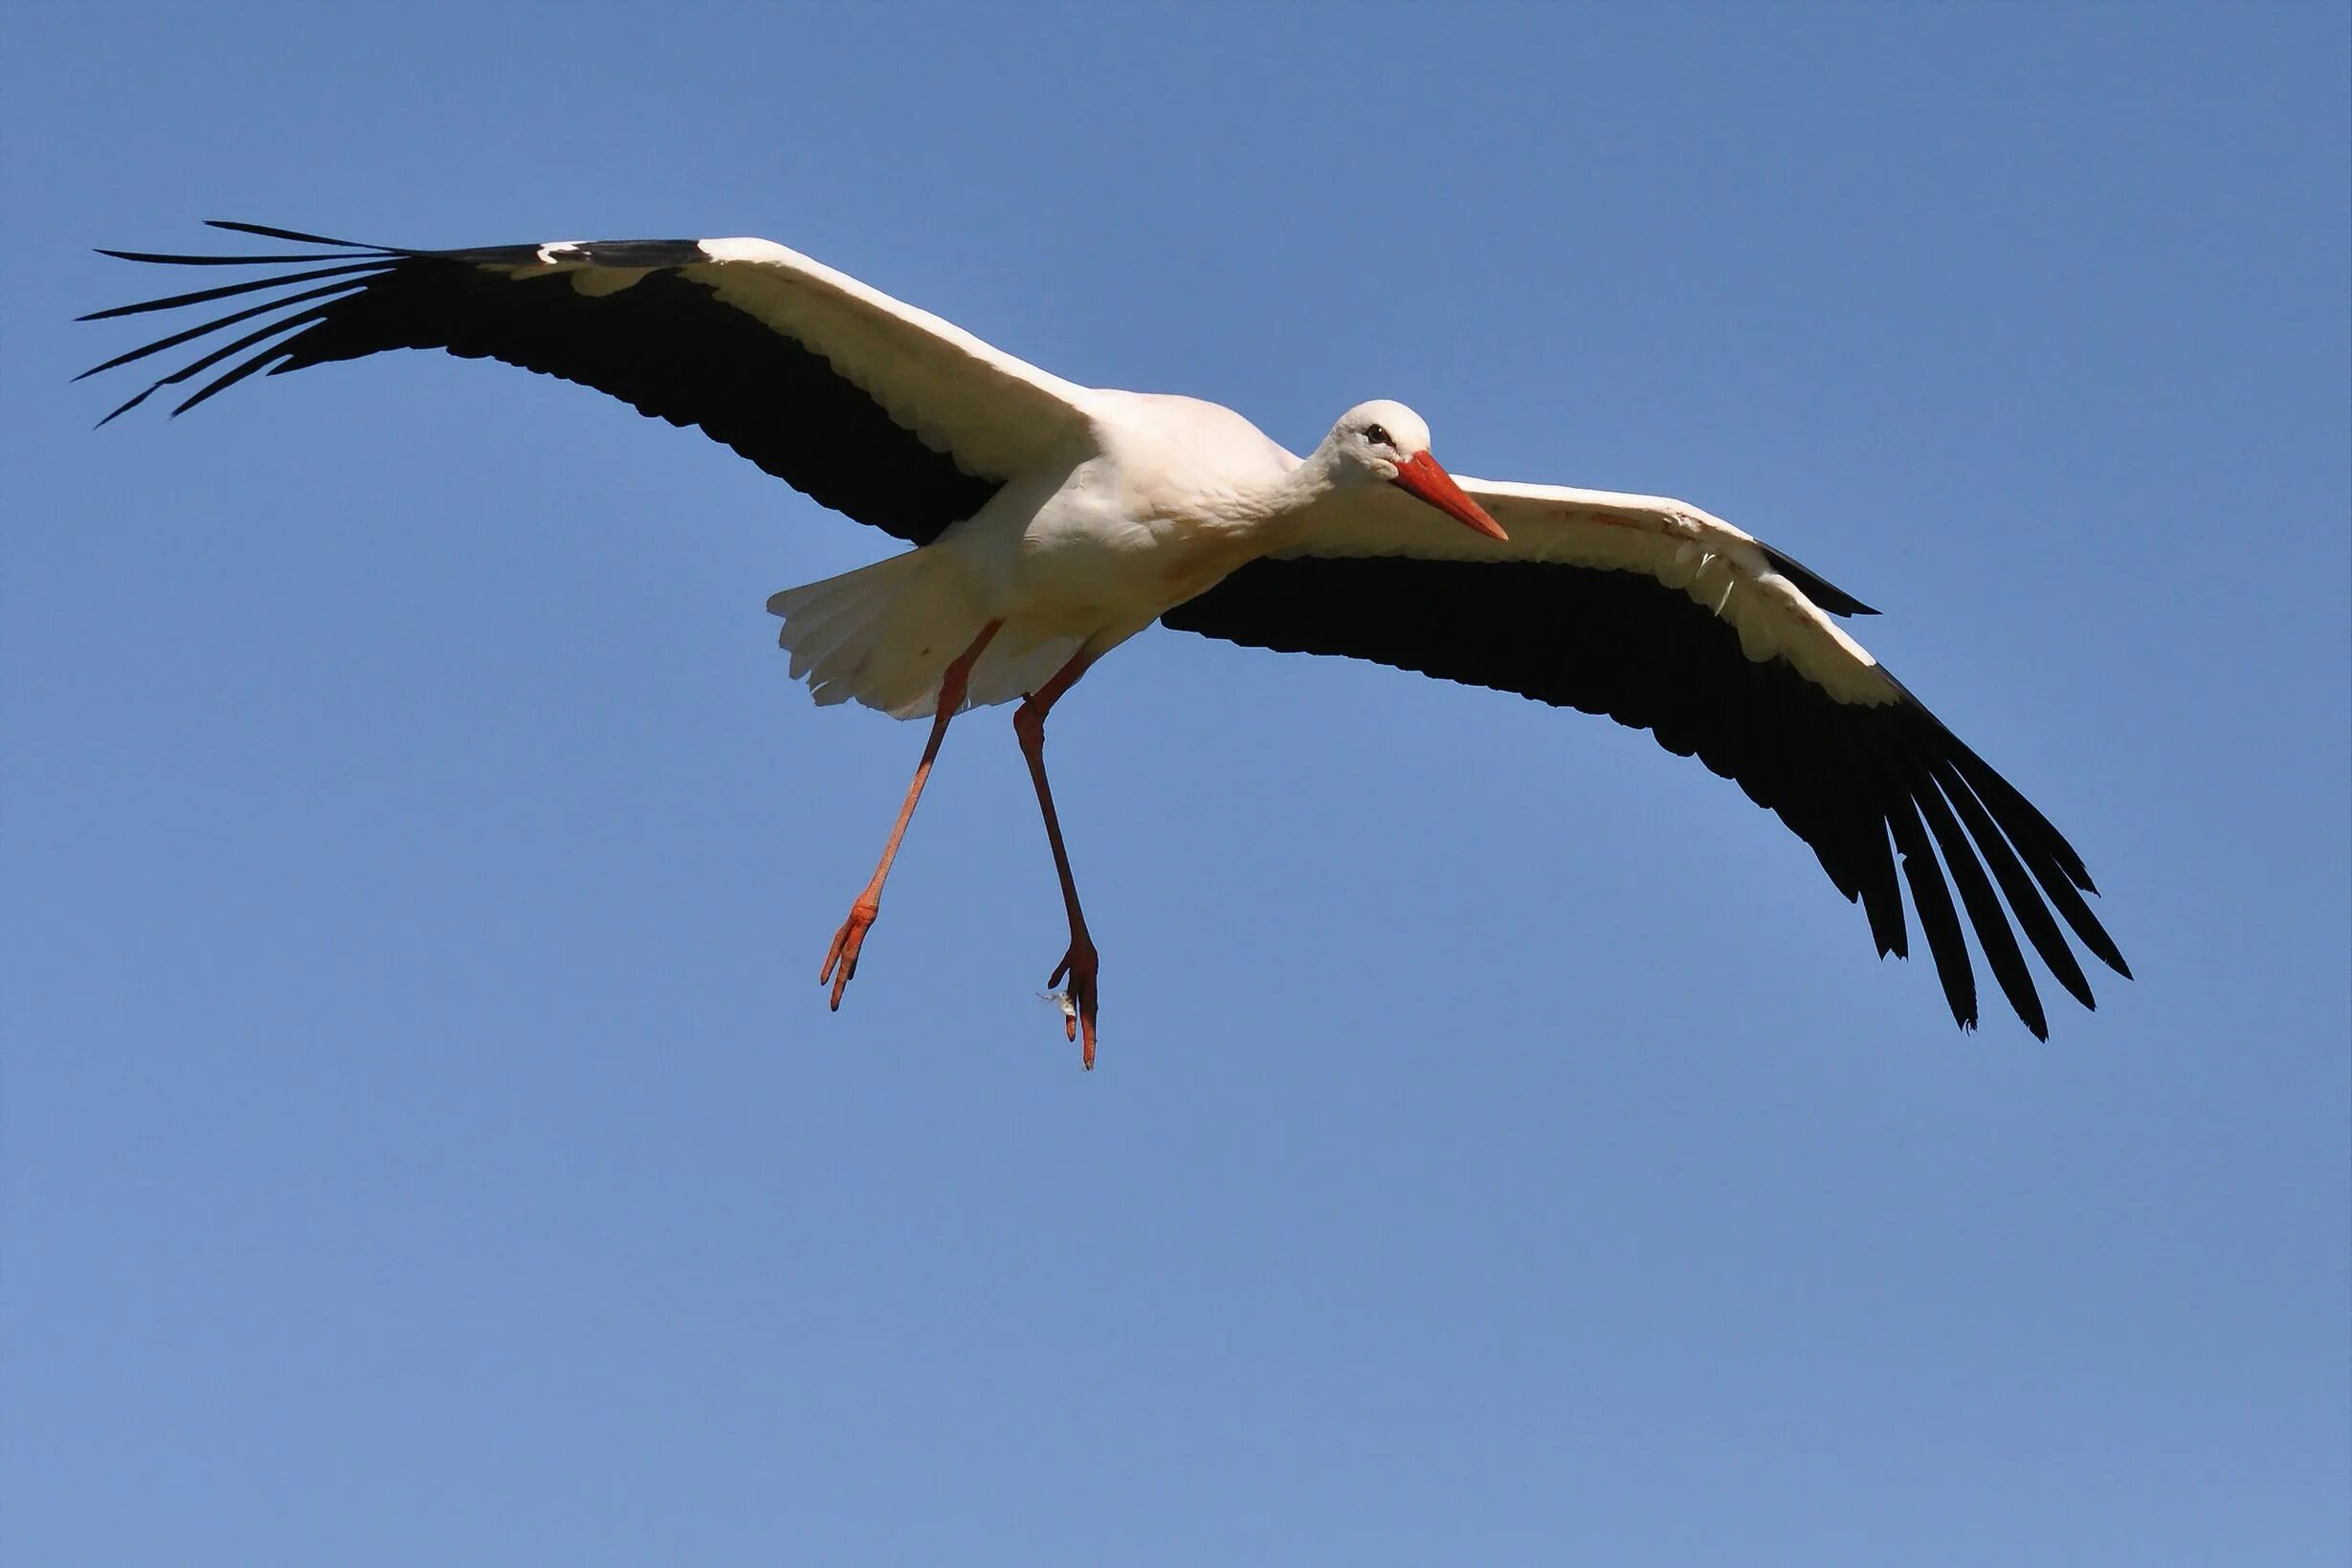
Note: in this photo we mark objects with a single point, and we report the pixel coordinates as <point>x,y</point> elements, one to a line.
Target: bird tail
<point>885,634</point>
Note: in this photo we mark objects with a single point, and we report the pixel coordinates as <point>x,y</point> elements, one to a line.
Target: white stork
<point>1053,521</point>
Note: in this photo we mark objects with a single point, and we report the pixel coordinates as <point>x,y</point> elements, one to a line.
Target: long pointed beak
<point>1420,476</point>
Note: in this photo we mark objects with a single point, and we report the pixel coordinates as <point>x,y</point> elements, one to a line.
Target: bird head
<point>1389,442</point>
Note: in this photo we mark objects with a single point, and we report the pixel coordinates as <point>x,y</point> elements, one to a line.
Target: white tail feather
<point>1008,668</point>
<point>884,635</point>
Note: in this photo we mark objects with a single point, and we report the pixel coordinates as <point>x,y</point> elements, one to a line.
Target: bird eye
<point>1375,434</point>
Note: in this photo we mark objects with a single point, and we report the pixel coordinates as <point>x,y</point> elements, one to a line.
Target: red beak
<point>1420,476</point>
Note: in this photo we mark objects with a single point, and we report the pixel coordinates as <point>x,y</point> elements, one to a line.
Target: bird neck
<point>1271,505</point>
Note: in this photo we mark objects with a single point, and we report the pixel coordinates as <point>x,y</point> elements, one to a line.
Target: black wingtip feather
<point>228,291</point>
<point>126,408</point>
<point>206,328</point>
<point>222,383</point>
<point>2052,859</point>
<point>2017,886</point>
<point>1815,587</point>
<point>265,232</point>
<point>284,323</point>
<point>167,259</point>
<point>1938,919</point>
<point>1993,936</point>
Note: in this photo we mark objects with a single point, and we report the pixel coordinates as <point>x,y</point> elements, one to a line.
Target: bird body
<point>1052,521</point>
<point>1163,499</point>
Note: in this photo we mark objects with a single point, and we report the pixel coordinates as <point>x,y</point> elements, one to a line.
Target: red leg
<point>851,936</point>
<point>1080,964</point>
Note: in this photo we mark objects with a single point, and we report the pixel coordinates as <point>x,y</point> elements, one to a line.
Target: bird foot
<point>843,954</point>
<point>1078,999</point>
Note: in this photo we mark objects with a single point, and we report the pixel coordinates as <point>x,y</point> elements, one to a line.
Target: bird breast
<point>1105,546</point>
<point>1172,496</point>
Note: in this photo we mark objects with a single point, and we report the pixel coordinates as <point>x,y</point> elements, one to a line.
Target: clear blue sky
<point>424,1138</point>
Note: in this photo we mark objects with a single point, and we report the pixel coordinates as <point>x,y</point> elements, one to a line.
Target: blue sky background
<point>425,1137</point>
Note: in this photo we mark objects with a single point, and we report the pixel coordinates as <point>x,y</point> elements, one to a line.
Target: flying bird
<point>1049,522</point>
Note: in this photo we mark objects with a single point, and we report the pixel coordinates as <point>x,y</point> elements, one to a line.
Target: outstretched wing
<point>1672,621</point>
<point>872,407</point>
